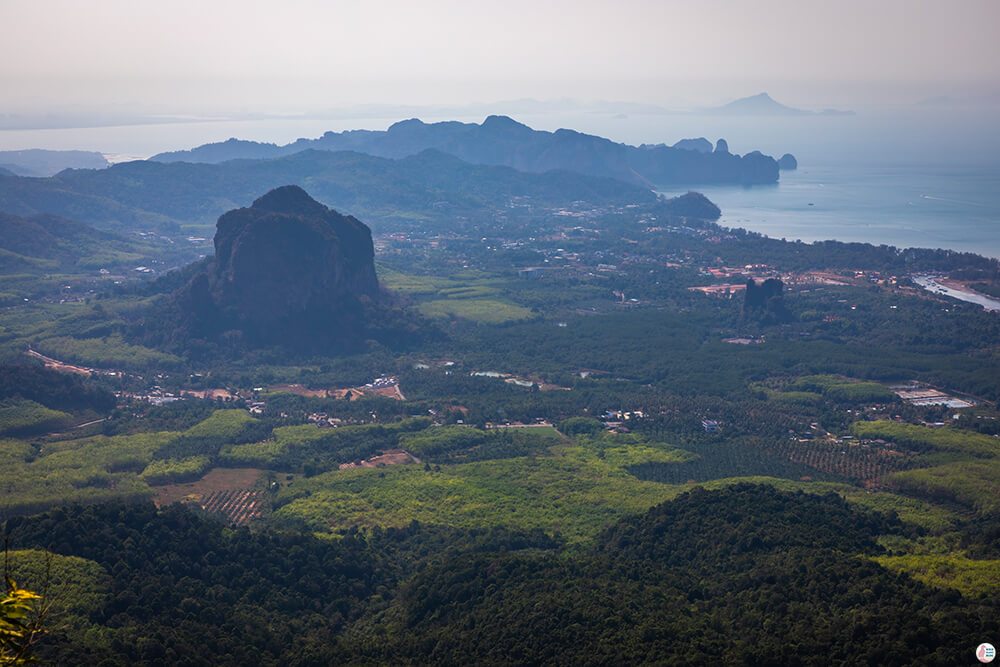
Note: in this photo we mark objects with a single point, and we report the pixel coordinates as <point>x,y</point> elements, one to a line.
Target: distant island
<point>502,141</point>
<point>763,104</point>
<point>787,162</point>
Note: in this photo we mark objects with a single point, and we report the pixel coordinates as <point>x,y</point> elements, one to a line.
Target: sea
<point>913,177</point>
<point>957,208</point>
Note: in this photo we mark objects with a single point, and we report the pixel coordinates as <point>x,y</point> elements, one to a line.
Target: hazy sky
<point>299,54</point>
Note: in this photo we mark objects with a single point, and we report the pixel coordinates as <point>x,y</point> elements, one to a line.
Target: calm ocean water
<point>923,207</point>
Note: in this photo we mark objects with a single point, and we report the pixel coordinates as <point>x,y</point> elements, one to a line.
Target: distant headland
<point>502,141</point>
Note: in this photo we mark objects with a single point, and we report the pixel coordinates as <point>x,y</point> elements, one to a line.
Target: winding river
<point>930,283</point>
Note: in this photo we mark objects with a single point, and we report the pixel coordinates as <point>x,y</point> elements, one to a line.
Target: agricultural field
<point>238,506</point>
<point>90,469</point>
<point>86,470</point>
<point>110,352</point>
<point>20,415</point>
<point>864,463</point>
<point>924,438</point>
<point>469,295</point>
<point>974,485</point>
<point>216,480</point>
<point>841,390</point>
<point>573,490</point>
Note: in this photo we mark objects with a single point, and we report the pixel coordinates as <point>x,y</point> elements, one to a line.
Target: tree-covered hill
<point>500,140</point>
<point>46,243</point>
<point>152,194</point>
<point>744,575</point>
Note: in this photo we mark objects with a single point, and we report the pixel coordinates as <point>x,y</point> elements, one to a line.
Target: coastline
<point>957,290</point>
<point>953,208</point>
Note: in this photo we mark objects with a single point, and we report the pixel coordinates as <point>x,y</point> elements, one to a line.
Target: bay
<point>925,207</point>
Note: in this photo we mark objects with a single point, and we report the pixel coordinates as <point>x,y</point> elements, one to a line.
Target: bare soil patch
<point>215,480</point>
<point>56,365</point>
<point>389,457</point>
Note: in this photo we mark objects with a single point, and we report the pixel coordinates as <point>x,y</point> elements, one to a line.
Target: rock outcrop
<point>765,301</point>
<point>787,162</point>
<point>287,270</point>
<point>700,145</point>
<point>692,205</point>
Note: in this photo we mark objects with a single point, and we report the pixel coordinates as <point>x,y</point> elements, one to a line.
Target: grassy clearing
<point>469,284</point>
<point>413,284</point>
<point>470,295</point>
<point>468,292</point>
<point>973,578</point>
<point>483,311</point>
<point>911,510</point>
<point>422,284</point>
<point>837,389</point>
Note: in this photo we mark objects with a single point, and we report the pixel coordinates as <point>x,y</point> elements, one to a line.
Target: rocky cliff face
<point>287,270</point>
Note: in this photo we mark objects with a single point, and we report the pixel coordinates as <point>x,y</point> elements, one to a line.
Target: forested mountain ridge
<point>38,162</point>
<point>158,195</point>
<point>45,254</point>
<point>50,237</point>
<point>500,140</point>
<point>744,575</point>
